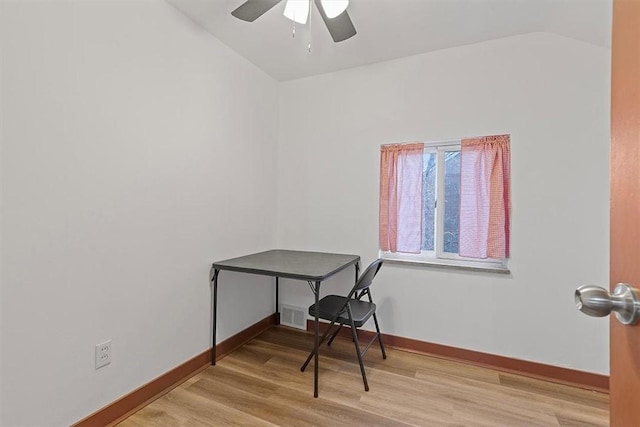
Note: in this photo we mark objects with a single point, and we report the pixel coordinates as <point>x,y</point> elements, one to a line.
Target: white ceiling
<point>389,29</point>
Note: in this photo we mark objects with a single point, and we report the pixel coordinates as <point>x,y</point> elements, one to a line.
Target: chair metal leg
<point>313,352</point>
<point>357,344</point>
<point>375,320</point>
<point>333,336</point>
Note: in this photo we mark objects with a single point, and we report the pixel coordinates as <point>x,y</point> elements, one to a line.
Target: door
<point>625,206</point>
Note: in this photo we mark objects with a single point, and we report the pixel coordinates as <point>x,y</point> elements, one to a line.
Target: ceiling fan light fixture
<point>333,13</point>
<point>333,8</point>
<point>297,10</point>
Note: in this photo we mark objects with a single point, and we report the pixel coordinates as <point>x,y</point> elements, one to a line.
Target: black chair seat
<point>332,304</point>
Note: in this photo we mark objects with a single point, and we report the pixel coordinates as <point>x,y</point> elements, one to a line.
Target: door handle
<point>596,301</point>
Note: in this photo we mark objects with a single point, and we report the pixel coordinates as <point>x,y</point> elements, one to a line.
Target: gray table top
<point>314,266</point>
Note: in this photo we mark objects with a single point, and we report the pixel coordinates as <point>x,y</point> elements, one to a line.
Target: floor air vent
<point>293,316</point>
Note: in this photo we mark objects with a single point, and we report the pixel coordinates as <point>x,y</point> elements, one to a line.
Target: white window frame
<point>438,257</point>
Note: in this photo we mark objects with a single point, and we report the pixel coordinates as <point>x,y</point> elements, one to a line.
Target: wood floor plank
<point>183,407</point>
<point>273,411</point>
<point>260,384</point>
<point>333,413</point>
<point>334,385</point>
<point>558,391</point>
<point>195,422</point>
<point>581,420</point>
<point>548,399</point>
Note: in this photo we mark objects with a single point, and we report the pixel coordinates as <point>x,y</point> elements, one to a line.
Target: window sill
<point>448,264</point>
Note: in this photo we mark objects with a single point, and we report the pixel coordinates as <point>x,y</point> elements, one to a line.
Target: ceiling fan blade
<point>340,27</point>
<point>253,9</point>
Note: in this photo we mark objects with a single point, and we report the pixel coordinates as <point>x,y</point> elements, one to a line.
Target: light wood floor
<point>260,384</point>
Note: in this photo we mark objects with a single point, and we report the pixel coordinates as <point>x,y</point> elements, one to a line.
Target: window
<point>446,202</point>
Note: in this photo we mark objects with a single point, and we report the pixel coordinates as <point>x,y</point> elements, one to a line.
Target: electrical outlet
<point>103,354</point>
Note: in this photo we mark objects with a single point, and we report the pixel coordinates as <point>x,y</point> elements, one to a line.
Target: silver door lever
<point>596,301</point>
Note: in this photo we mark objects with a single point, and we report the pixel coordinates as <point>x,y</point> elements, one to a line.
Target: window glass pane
<point>451,201</point>
<point>428,201</point>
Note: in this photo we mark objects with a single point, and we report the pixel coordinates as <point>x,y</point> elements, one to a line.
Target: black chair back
<point>366,278</point>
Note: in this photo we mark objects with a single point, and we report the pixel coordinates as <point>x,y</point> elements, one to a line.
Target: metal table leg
<point>214,316</point>
<point>277,306</point>
<point>317,337</point>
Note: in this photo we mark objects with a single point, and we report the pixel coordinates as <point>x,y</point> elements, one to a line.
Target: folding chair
<point>353,312</point>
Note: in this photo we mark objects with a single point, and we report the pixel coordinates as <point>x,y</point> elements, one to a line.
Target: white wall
<point>552,95</point>
<point>136,150</point>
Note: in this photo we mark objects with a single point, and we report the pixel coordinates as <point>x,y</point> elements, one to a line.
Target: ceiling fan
<point>333,12</point>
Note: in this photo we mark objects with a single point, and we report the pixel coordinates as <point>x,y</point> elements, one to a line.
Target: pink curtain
<point>485,201</point>
<point>401,197</point>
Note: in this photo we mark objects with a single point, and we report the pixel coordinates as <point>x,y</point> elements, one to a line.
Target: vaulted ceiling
<point>389,29</point>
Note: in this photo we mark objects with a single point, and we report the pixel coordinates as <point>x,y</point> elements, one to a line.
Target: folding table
<point>312,267</point>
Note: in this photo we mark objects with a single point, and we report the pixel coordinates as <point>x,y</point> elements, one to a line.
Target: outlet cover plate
<point>103,354</point>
